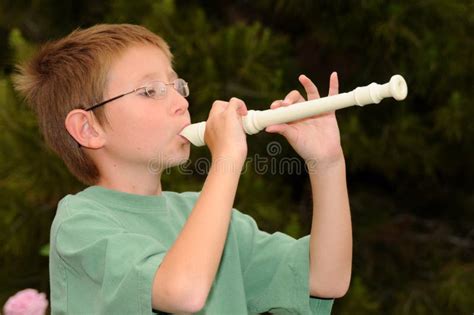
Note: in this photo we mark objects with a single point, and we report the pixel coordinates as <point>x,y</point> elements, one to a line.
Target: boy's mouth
<point>184,126</point>
<point>179,133</point>
<point>184,139</point>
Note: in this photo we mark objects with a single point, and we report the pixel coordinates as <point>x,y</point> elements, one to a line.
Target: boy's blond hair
<point>71,73</point>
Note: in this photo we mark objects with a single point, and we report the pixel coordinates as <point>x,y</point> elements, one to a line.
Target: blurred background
<point>409,164</point>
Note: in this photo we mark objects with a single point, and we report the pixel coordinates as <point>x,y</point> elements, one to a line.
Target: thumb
<point>281,129</point>
<point>285,130</point>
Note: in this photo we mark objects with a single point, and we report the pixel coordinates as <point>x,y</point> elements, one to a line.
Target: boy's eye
<point>156,90</point>
<point>150,92</point>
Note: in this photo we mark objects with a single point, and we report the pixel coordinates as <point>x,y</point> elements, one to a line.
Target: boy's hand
<point>224,133</point>
<point>315,139</point>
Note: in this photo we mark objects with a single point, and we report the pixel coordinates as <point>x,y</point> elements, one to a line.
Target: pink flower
<point>26,302</point>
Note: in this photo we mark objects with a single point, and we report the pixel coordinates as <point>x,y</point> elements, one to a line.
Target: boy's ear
<point>82,126</point>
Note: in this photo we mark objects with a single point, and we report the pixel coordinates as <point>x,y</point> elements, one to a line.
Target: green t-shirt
<point>107,245</point>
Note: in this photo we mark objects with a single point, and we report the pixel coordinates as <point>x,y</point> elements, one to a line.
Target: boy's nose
<point>180,104</point>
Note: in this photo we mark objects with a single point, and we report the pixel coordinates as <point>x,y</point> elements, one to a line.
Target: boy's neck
<point>139,185</point>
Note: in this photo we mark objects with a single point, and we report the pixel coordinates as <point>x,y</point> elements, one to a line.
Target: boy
<point>109,102</point>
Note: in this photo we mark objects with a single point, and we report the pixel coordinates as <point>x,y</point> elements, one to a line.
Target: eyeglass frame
<point>137,89</point>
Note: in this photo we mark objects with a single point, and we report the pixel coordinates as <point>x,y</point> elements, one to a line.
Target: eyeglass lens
<point>158,89</point>
<point>182,87</point>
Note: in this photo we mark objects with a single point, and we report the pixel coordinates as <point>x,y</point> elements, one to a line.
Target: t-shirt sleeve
<point>276,271</point>
<point>116,266</point>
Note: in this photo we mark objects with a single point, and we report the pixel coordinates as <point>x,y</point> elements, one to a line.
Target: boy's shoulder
<point>187,195</point>
<point>78,204</point>
<point>98,199</point>
<point>96,203</point>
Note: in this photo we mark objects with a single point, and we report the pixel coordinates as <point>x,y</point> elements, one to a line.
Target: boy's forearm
<point>191,263</point>
<point>331,232</point>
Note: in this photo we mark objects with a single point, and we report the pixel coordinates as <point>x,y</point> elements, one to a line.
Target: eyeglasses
<point>154,89</point>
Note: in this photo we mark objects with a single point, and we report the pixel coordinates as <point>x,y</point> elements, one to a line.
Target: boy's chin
<point>179,160</point>
<point>157,165</point>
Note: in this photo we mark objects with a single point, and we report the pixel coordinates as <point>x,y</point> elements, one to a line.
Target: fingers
<point>238,105</point>
<point>276,104</point>
<point>311,91</point>
<point>291,98</point>
<point>234,104</point>
<point>333,84</point>
<point>310,88</point>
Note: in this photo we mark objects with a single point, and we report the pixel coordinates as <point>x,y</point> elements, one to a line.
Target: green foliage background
<point>410,171</point>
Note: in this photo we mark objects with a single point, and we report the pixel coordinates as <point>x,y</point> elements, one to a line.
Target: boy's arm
<point>317,141</point>
<point>331,232</point>
<point>186,274</point>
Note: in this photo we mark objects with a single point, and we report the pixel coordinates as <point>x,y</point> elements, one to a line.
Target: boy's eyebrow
<point>172,75</point>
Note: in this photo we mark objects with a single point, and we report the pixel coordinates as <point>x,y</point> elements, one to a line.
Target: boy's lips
<point>179,133</point>
<point>184,126</point>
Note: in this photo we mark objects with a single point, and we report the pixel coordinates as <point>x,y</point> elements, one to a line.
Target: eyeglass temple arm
<point>111,99</point>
